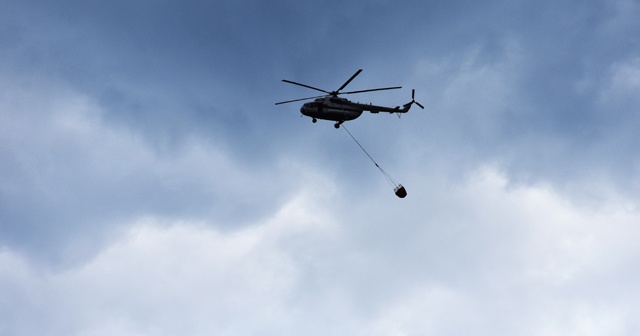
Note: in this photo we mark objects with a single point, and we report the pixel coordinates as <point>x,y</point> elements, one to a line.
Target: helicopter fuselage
<point>331,108</point>
<point>341,109</point>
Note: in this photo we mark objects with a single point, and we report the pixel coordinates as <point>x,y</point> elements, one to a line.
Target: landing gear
<point>314,120</point>
<point>337,125</point>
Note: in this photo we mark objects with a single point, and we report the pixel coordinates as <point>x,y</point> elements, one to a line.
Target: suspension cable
<point>387,176</point>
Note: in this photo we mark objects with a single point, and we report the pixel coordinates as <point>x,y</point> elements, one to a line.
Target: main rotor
<point>336,92</point>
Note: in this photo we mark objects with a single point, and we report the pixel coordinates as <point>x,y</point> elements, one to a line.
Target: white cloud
<point>510,258</point>
<point>496,258</point>
<point>167,278</point>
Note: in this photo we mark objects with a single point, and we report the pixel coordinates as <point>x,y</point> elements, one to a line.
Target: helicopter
<point>331,107</point>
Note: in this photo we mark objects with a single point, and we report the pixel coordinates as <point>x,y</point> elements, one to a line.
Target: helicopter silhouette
<point>331,107</point>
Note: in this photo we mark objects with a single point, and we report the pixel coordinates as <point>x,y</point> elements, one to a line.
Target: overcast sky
<point>150,186</point>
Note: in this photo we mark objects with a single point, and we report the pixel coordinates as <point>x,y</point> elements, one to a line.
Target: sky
<point>150,186</point>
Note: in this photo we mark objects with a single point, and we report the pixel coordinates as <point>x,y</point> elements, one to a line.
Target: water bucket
<point>400,191</point>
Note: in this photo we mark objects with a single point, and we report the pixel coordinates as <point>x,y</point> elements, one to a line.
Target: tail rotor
<point>413,100</point>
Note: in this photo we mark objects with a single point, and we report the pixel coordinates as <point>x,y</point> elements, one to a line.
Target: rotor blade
<point>349,80</point>
<point>379,89</point>
<point>307,86</point>
<point>295,100</point>
<point>422,107</point>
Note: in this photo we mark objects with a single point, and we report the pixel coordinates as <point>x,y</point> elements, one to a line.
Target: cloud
<point>68,173</point>
<point>148,185</point>
<point>168,277</point>
<point>306,269</point>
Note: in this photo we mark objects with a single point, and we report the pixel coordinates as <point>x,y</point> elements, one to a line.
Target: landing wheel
<point>337,125</point>
<point>314,120</point>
